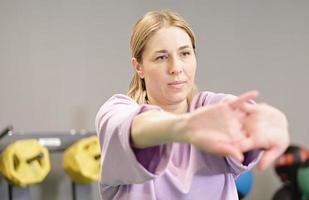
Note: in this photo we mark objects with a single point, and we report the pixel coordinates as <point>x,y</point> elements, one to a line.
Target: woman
<point>166,140</point>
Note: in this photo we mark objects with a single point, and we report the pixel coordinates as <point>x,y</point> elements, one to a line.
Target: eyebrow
<point>184,47</point>
<point>180,48</point>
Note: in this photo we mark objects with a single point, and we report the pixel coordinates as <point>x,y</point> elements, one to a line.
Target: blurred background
<point>60,60</point>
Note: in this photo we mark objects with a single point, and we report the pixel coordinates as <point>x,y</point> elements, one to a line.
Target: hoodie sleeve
<point>120,163</point>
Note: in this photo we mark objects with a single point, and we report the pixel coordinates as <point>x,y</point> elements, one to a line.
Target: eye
<point>185,53</point>
<point>163,57</point>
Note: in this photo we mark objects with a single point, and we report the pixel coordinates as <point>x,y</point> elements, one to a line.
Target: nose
<point>175,66</point>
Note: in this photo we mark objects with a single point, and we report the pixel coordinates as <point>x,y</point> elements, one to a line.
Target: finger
<point>268,157</point>
<point>240,115</point>
<point>229,150</point>
<point>246,144</point>
<point>247,107</point>
<point>243,99</point>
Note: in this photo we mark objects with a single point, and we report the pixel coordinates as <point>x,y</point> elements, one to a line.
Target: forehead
<point>168,38</point>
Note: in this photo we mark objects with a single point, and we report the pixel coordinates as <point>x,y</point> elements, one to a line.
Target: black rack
<point>54,142</point>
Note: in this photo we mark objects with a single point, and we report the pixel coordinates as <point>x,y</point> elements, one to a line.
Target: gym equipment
<point>25,162</point>
<point>244,184</point>
<point>284,193</point>
<point>5,131</point>
<point>303,179</point>
<point>81,161</point>
<point>292,168</point>
<point>55,142</point>
<point>286,166</point>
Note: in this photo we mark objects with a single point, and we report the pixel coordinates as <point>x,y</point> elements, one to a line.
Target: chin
<point>178,97</point>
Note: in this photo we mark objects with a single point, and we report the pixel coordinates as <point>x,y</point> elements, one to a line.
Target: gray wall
<point>61,59</point>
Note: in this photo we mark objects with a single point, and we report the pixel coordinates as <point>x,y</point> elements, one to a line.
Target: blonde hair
<point>142,31</point>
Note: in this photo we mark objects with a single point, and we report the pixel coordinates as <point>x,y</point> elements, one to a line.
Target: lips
<point>177,84</point>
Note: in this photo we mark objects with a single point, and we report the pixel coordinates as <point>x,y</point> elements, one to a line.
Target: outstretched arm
<point>216,128</point>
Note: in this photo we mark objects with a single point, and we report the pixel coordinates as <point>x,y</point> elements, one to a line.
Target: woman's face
<point>168,66</point>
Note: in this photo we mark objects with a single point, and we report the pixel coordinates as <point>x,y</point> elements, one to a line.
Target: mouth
<point>176,84</point>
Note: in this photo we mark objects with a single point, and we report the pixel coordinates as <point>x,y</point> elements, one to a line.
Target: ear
<point>137,67</point>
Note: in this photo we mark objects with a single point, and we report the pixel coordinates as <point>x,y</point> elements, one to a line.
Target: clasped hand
<point>236,126</point>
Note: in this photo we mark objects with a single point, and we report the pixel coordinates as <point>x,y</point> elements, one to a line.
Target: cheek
<point>191,70</point>
<point>153,79</point>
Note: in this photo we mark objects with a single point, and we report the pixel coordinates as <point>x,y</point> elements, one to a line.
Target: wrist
<point>180,129</point>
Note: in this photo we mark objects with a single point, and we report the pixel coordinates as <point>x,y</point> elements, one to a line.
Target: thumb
<point>230,150</point>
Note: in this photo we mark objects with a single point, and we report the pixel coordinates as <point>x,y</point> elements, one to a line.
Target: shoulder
<point>205,98</point>
<point>122,104</point>
<point>121,99</point>
<point>117,103</point>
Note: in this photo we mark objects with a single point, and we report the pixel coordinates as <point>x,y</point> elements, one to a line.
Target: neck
<point>177,108</point>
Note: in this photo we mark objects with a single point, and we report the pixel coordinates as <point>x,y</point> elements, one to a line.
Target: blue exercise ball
<point>244,184</point>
